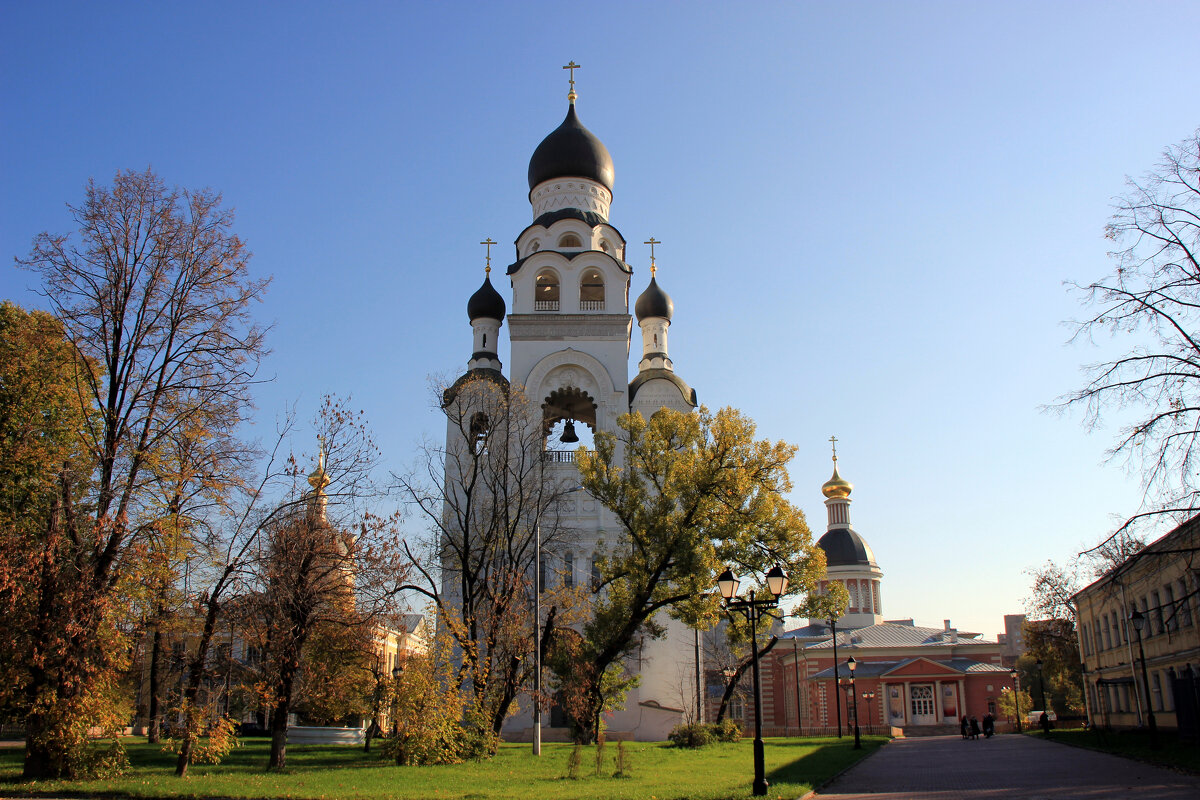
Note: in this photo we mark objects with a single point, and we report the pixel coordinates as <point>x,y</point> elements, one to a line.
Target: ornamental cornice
<point>553,326</point>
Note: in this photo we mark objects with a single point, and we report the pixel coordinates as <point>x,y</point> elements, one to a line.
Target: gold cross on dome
<point>572,66</point>
<point>652,241</point>
<point>489,244</point>
<point>833,441</point>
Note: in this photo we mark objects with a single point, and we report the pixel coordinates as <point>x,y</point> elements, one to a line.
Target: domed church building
<point>571,331</point>
<point>905,676</point>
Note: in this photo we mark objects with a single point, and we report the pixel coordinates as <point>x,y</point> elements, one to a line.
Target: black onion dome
<point>571,151</point>
<point>845,548</point>
<point>653,302</point>
<point>486,302</point>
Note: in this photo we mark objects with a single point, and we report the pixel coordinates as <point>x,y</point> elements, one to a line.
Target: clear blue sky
<point>867,212</point>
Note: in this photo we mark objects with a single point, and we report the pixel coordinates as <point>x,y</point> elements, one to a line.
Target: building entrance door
<point>922,701</point>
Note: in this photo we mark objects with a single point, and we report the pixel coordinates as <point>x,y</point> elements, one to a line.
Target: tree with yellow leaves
<point>693,493</point>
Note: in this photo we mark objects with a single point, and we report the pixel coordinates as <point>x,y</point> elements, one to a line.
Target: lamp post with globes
<point>752,609</point>
<point>1139,621</point>
<point>837,681</point>
<point>868,697</point>
<point>852,664</point>
<point>397,671</point>
<point>1042,688</point>
<point>1016,676</point>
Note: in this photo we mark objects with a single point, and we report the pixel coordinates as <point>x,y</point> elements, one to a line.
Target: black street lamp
<point>796,676</point>
<point>396,672</point>
<point>868,697</point>
<point>1016,676</point>
<point>752,610</point>
<point>1042,688</point>
<point>837,681</point>
<point>851,663</point>
<point>1138,622</point>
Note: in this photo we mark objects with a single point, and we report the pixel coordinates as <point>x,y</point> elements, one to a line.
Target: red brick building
<point>921,677</point>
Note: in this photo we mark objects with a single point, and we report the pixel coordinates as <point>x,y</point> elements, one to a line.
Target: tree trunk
<point>196,674</point>
<point>155,714</point>
<point>39,761</point>
<point>737,677</point>
<point>279,716</point>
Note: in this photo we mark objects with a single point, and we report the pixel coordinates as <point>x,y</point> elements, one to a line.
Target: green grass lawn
<point>656,771</point>
<point>1171,752</point>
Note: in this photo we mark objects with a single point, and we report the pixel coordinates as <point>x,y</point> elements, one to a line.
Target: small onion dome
<point>837,486</point>
<point>653,302</point>
<point>571,151</point>
<point>486,302</point>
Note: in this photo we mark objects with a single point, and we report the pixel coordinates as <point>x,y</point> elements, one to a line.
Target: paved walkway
<point>1011,766</point>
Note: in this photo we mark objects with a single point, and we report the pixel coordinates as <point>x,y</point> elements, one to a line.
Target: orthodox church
<point>891,673</point>
<point>570,332</point>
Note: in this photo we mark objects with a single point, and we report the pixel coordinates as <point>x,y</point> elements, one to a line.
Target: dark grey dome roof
<point>845,548</point>
<point>653,302</point>
<point>486,302</point>
<point>571,151</point>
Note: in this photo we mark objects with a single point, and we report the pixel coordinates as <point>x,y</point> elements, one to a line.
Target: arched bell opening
<point>569,419</point>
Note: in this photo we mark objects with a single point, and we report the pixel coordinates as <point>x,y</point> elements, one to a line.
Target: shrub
<point>693,735</point>
<point>574,761</point>
<point>599,754</point>
<point>622,761</point>
<point>699,735</point>
<point>726,730</point>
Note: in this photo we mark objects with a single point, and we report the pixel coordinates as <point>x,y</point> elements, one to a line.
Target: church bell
<point>569,436</point>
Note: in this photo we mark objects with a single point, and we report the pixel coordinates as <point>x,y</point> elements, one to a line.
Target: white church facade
<point>570,331</point>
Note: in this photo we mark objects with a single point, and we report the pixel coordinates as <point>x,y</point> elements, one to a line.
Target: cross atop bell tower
<point>571,94</point>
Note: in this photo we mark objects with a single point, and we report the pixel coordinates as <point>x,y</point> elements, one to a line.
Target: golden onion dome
<point>837,486</point>
<point>317,479</point>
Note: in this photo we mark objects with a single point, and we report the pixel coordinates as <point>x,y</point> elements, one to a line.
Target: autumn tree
<point>1150,304</point>
<point>693,493</point>
<point>485,495</point>
<point>154,294</point>
<point>328,581</point>
<point>55,680</point>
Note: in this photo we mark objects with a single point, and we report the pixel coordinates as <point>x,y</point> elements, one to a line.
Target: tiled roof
<point>886,634</point>
<point>873,669</point>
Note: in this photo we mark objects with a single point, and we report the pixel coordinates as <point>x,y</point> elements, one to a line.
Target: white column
<point>962,698</point>
<point>937,702</point>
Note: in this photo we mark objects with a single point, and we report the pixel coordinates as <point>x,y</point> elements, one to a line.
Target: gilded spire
<point>318,480</point>
<point>837,486</point>
<point>571,94</point>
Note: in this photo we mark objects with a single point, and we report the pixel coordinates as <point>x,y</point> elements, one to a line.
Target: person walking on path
<point>964,727</point>
<point>974,728</point>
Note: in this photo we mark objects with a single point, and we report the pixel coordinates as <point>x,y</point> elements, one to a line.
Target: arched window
<point>569,569</point>
<point>545,296</point>
<point>570,240</point>
<point>591,290</point>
